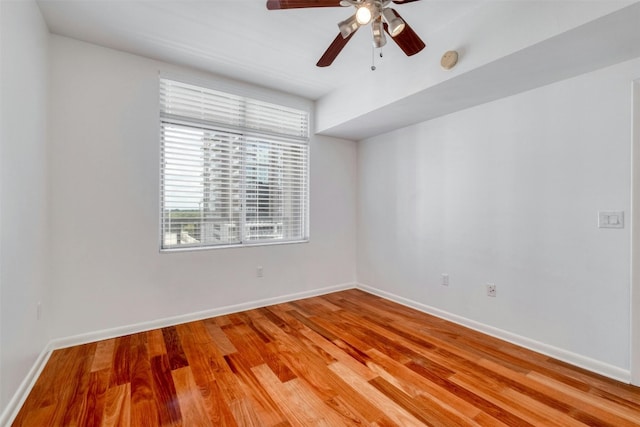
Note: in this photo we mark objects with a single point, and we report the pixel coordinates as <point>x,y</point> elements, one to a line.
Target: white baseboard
<point>190,317</point>
<point>11,410</point>
<point>576,359</point>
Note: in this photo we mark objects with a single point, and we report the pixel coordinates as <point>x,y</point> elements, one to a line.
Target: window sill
<point>236,246</point>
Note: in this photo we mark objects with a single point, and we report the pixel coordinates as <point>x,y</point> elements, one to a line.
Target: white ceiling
<point>238,38</point>
<point>505,45</point>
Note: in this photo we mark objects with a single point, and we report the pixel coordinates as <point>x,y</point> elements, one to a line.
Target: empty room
<point>319,212</point>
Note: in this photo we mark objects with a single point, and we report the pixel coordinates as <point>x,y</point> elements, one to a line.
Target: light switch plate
<point>611,219</point>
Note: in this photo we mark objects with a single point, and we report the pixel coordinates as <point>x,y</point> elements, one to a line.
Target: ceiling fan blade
<point>299,4</point>
<point>403,1</point>
<point>407,40</point>
<point>334,50</point>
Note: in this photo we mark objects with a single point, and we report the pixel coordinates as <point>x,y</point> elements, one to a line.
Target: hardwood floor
<point>348,358</point>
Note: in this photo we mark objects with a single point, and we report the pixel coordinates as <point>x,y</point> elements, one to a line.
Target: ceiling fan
<point>376,12</point>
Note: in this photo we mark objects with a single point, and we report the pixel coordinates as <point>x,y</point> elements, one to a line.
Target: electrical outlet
<point>445,279</point>
<point>491,290</point>
<point>259,271</point>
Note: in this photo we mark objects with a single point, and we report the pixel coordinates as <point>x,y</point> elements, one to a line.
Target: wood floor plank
<point>577,408</point>
<point>164,391</point>
<point>120,373</point>
<point>422,409</point>
<point>177,359</point>
<point>117,409</point>
<point>347,358</point>
<point>496,411</point>
<point>205,360</point>
<point>395,412</point>
<point>155,343</point>
<point>341,356</point>
<point>76,385</point>
<point>302,396</point>
<point>103,355</point>
<point>500,397</point>
<point>333,385</point>
<point>608,408</point>
<point>93,408</point>
<point>313,326</point>
<point>247,342</point>
<point>281,395</point>
<point>342,391</point>
<point>442,401</point>
<point>195,332</point>
<point>346,411</point>
<point>144,409</point>
<point>192,407</point>
<point>600,385</point>
<point>45,392</point>
<point>261,403</point>
<point>218,411</point>
<point>551,416</point>
<point>244,413</point>
<point>219,338</point>
<point>299,337</point>
<point>38,417</point>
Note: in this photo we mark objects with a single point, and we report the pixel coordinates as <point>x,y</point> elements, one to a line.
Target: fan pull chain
<point>373,57</point>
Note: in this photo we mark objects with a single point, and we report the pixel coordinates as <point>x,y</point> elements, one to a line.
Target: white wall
<point>24,197</point>
<point>635,238</point>
<point>107,270</point>
<point>508,192</point>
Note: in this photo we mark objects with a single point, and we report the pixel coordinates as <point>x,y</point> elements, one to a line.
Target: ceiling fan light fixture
<point>383,19</point>
<point>364,14</point>
<point>377,29</point>
<point>395,23</point>
<point>348,26</point>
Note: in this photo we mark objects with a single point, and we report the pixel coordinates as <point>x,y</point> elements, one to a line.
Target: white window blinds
<point>234,170</point>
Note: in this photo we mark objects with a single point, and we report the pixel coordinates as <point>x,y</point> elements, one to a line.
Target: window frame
<point>245,135</point>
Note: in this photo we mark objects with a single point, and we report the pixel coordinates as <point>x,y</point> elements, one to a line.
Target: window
<point>234,170</point>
